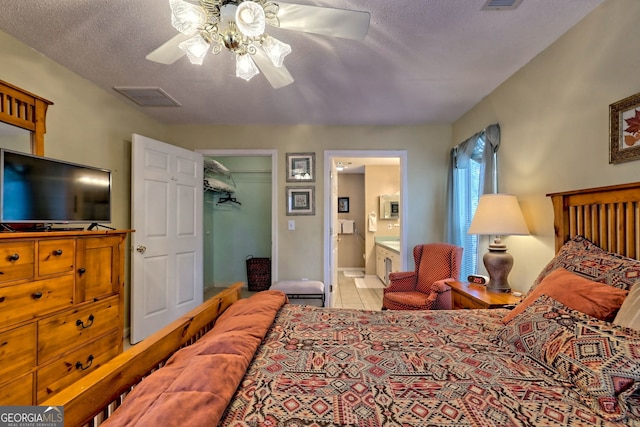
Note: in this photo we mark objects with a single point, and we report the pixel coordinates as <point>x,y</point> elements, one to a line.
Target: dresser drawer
<point>17,392</point>
<point>16,260</point>
<point>62,332</point>
<point>56,256</point>
<point>17,351</point>
<point>29,300</point>
<point>62,372</point>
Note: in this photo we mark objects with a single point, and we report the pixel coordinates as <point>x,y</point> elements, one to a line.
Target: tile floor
<point>347,295</point>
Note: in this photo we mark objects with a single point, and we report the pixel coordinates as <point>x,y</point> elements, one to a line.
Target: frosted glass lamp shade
<point>245,67</point>
<point>276,50</point>
<point>196,49</point>
<point>250,19</point>
<point>186,17</point>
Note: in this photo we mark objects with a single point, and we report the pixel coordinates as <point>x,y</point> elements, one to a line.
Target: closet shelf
<point>217,177</point>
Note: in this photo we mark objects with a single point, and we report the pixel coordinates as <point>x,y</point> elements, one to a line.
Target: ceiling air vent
<point>148,96</point>
<point>501,4</point>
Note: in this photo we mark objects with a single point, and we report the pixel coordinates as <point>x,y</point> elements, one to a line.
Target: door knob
<point>141,249</point>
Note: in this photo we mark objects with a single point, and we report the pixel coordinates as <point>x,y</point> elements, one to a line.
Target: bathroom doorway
<point>359,234</point>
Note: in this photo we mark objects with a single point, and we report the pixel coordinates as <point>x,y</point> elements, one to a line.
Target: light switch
<point>292,225</point>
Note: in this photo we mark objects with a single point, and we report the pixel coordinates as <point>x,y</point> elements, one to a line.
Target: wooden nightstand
<point>468,295</point>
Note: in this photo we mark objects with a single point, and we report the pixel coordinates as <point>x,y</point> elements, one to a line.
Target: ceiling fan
<point>239,26</point>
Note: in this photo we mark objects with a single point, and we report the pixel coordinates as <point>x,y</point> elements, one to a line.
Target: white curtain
<point>472,172</point>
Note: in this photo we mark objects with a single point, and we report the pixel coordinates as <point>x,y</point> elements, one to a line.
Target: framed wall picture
<point>301,167</point>
<point>301,201</point>
<point>343,205</point>
<point>624,130</point>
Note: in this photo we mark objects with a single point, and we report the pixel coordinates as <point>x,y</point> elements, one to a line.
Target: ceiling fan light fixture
<point>196,49</point>
<point>275,49</point>
<point>245,67</point>
<point>238,26</point>
<point>186,17</point>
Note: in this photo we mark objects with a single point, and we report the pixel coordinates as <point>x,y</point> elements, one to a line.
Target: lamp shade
<point>498,214</point>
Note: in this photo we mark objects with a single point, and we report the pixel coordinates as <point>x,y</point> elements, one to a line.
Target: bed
<point>263,362</point>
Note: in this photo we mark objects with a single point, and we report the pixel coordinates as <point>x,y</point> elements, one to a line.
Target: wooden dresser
<point>470,296</point>
<point>61,309</point>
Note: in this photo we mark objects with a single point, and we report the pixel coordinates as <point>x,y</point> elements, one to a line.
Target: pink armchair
<point>425,288</point>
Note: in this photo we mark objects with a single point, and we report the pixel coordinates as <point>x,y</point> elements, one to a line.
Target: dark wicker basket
<point>258,273</point>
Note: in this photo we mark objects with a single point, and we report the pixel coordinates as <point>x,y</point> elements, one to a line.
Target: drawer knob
<point>82,270</point>
<point>57,252</point>
<point>81,324</point>
<point>36,295</point>
<point>81,366</point>
<point>14,257</point>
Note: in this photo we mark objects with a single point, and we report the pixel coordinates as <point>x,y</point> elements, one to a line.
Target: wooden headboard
<point>608,216</point>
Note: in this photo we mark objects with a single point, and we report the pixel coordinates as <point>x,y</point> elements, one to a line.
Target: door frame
<point>329,155</point>
<point>274,194</point>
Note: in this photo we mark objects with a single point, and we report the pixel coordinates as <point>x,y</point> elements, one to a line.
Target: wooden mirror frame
<point>25,110</point>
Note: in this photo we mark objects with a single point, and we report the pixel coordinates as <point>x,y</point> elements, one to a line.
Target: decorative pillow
<point>528,331</point>
<point>595,299</point>
<point>585,258</point>
<point>629,313</point>
<point>601,360</point>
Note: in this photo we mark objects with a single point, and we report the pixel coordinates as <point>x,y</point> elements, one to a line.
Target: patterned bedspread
<point>326,367</point>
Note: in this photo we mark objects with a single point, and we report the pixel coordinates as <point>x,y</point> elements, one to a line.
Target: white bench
<point>301,289</point>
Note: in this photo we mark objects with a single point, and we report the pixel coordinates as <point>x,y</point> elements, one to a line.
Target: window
<point>467,195</point>
<point>472,173</point>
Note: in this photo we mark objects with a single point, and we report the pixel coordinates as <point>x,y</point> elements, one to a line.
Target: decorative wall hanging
<point>343,205</point>
<point>301,201</point>
<point>301,167</point>
<point>624,130</point>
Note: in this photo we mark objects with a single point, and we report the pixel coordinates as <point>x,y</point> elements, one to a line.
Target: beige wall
<point>554,116</point>
<point>380,180</point>
<point>85,124</point>
<point>89,125</point>
<point>427,152</point>
<point>351,246</point>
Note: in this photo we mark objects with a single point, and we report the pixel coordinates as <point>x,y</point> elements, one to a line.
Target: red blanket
<point>197,383</point>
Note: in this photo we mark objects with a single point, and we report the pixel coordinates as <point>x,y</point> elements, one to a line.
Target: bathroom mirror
<point>389,206</point>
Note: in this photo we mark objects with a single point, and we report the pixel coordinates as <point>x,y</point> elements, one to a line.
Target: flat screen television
<point>40,190</point>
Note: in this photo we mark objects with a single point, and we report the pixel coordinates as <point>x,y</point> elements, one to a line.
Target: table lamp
<point>499,215</point>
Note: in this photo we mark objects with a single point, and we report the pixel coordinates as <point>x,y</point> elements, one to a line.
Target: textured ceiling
<point>423,61</point>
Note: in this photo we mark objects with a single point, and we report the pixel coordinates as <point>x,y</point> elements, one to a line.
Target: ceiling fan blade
<point>169,52</point>
<point>348,24</point>
<point>277,76</point>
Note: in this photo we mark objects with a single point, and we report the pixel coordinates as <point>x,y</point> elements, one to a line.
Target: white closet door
<point>166,260</point>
